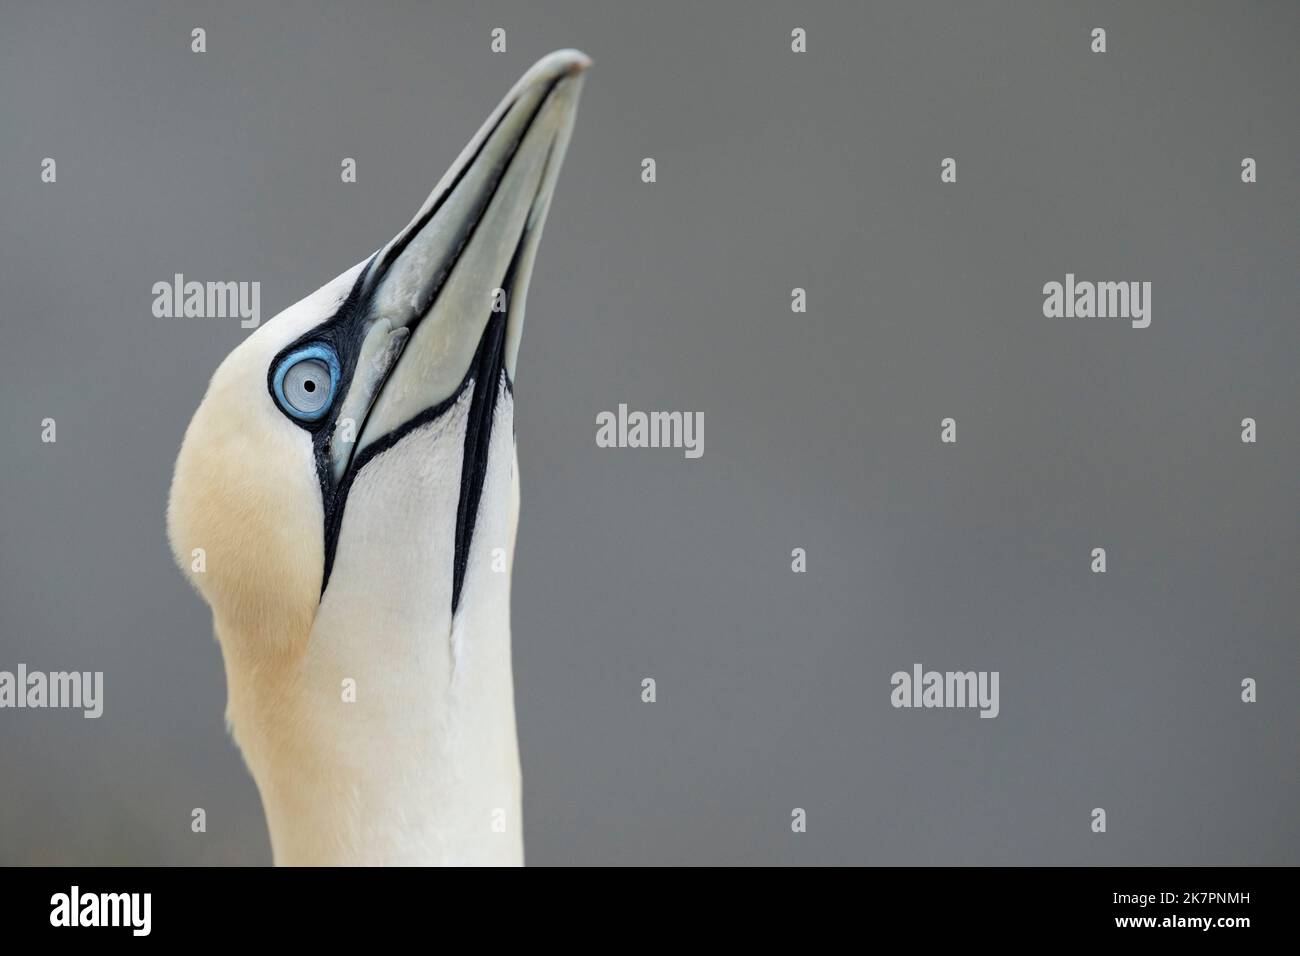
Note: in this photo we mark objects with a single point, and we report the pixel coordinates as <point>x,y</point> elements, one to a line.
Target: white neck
<point>395,777</point>
<point>422,767</point>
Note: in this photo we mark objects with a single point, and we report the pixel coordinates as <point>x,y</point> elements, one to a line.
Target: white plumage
<point>377,717</point>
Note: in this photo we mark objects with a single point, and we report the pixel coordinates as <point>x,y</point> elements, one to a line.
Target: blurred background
<point>775,170</point>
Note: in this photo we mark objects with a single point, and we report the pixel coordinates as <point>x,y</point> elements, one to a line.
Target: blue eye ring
<point>320,357</point>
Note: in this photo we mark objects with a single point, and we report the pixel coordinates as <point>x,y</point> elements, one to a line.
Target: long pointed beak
<point>443,302</point>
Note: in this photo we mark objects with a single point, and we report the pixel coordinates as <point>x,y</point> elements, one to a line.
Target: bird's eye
<point>305,381</point>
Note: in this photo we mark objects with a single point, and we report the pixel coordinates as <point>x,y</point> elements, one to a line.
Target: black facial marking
<point>488,369</point>
<point>345,330</point>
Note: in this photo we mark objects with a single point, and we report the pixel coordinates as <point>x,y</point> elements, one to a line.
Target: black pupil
<point>309,386</point>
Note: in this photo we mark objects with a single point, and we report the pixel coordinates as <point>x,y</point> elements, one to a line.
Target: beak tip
<point>579,63</point>
<point>560,63</point>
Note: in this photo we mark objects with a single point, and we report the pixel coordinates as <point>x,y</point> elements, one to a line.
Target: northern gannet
<point>345,499</point>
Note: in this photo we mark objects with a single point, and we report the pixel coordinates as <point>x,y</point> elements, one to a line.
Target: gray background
<point>821,430</point>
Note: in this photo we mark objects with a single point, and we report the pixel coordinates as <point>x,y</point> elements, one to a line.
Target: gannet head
<point>353,459</point>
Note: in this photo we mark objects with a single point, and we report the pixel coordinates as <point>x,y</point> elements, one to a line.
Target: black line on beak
<point>486,369</point>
